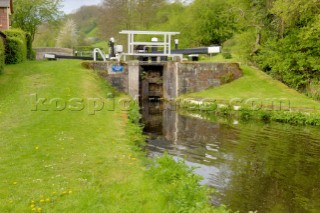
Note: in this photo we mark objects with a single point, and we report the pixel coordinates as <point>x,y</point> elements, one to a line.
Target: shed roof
<point>5,3</point>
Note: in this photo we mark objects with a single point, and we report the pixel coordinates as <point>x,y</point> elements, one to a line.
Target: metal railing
<point>164,45</point>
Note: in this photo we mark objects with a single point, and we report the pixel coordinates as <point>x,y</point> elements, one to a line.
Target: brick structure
<point>6,10</point>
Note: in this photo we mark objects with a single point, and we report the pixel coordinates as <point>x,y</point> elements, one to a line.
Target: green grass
<point>101,44</point>
<point>93,32</point>
<point>70,161</point>
<point>220,58</point>
<point>257,84</point>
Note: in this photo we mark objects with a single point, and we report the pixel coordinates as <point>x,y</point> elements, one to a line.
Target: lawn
<point>67,161</point>
<point>258,86</point>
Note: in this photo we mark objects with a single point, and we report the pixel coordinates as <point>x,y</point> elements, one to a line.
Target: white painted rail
<point>97,50</point>
<point>165,44</point>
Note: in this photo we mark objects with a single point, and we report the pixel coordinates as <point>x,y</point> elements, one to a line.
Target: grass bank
<point>71,155</point>
<point>257,86</point>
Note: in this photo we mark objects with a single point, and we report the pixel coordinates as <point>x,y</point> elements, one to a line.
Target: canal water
<point>268,167</point>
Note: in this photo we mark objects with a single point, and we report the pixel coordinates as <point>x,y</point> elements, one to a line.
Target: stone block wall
<point>119,80</point>
<point>170,77</point>
<point>40,52</point>
<point>189,77</point>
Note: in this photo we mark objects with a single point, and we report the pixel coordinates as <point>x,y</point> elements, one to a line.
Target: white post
<point>169,44</point>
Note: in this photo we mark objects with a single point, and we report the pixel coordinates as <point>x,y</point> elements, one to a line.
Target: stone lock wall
<point>118,80</point>
<point>181,78</point>
<point>178,78</point>
<point>197,77</point>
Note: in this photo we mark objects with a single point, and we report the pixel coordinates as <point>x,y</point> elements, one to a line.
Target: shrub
<point>16,51</point>
<point>180,185</point>
<point>16,46</point>
<point>2,56</point>
<point>245,114</point>
<point>227,55</point>
<point>16,33</point>
<point>227,78</point>
<point>265,116</point>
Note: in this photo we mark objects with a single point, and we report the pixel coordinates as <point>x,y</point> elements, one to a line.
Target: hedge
<point>16,46</point>
<point>16,51</point>
<point>16,33</point>
<point>2,56</point>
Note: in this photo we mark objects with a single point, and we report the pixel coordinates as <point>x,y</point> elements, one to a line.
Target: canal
<point>268,167</point>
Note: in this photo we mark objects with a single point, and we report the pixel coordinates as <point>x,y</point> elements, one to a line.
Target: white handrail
<point>97,50</point>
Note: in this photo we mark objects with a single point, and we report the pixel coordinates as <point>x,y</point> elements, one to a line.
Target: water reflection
<point>255,166</point>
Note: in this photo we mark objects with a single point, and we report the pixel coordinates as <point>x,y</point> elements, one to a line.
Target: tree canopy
<point>30,14</point>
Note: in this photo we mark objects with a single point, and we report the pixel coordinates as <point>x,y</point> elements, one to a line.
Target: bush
<point>2,56</point>
<point>227,55</point>
<point>180,185</point>
<point>16,33</point>
<point>16,46</point>
<point>16,51</point>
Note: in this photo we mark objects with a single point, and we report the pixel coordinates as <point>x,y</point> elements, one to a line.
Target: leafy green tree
<point>115,15</point>
<point>294,14</point>
<point>210,21</point>
<point>30,14</point>
<point>46,35</point>
<point>292,56</point>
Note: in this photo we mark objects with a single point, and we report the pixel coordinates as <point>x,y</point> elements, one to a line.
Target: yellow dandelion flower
<point>14,183</point>
<point>33,209</point>
<point>48,200</point>
<point>32,201</point>
<point>70,192</point>
<point>37,147</point>
<point>41,201</point>
<point>32,206</point>
<point>39,209</point>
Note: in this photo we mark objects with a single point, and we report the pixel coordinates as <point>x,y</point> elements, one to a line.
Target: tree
<point>68,36</point>
<point>117,15</point>
<point>46,35</point>
<point>292,56</point>
<point>30,14</point>
<point>294,14</point>
<point>208,22</point>
<point>86,18</point>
